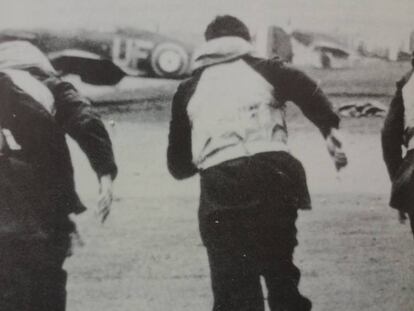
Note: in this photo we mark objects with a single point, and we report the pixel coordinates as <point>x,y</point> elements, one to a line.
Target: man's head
<point>226,26</point>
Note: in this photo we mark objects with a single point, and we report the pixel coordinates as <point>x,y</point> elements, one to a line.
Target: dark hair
<point>226,26</point>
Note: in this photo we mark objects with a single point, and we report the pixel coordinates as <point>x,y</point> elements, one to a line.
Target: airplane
<point>105,58</point>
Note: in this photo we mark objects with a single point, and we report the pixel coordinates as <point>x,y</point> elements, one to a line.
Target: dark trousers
<point>34,242</point>
<point>31,273</point>
<point>247,219</point>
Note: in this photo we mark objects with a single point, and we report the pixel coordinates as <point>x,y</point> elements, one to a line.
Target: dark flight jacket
<point>42,138</point>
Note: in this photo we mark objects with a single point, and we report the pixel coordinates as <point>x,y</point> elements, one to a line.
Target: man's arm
<point>306,94</point>
<point>76,116</point>
<point>392,135</point>
<point>293,85</point>
<point>179,154</point>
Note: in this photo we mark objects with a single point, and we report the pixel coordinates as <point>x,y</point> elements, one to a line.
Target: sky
<point>379,18</point>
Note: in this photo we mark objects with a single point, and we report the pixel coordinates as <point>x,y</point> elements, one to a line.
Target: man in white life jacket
<point>228,124</point>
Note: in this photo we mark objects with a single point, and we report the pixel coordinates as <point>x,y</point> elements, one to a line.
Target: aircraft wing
<point>90,67</point>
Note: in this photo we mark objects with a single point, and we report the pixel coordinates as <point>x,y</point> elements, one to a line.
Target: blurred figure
<point>398,135</point>
<point>228,124</point>
<point>37,190</point>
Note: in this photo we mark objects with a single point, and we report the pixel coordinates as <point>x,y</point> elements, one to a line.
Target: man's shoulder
<point>274,66</point>
<point>403,81</point>
<point>275,70</point>
<point>187,86</point>
<point>186,83</point>
<point>275,63</point>
<point>191,80</point>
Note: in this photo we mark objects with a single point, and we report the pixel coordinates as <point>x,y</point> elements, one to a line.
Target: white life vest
<point>234,113</point>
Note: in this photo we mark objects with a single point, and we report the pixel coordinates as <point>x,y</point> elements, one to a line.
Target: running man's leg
<point>235,281</point>
<point>282,277</point>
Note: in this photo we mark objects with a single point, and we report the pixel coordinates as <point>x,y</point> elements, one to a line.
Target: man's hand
<point>334,145</point>
<point>105,197</point>
<point>402,217</point>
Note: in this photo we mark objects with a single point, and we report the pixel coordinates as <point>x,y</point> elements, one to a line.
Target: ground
<point>353,253</point>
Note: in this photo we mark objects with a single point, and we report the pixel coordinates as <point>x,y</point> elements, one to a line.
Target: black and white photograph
<point>212,155</point>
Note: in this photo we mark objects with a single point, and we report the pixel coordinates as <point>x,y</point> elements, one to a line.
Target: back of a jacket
<point>234,113</point>
<point>233,106</point>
